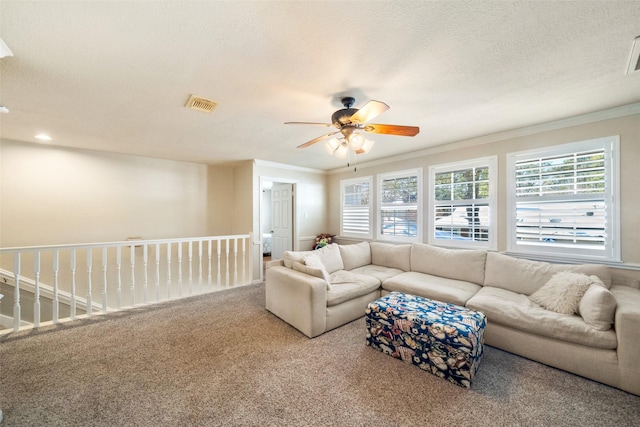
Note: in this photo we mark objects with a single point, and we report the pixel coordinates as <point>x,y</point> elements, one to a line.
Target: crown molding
<point>611,113</point>
<point>277,165</point>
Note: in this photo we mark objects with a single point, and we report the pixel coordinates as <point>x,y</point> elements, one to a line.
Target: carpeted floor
<point>222,359</point>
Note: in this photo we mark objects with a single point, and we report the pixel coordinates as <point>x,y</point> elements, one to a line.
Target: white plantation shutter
<point>399,212</point>
<point>355,214</point>
<point>463,203</point>
<point>564,200</point>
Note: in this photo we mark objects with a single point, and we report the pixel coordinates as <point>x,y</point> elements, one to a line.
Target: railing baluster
<point>73,284</point>
<point>219,284</point>
<point>36,296</point>
<point>16,295</point>
<point>89,284</point>
<point>145,284</point>
<point>235,261</point>
<point>55,302</point>
<point>119,270</point>
<point>209,273</point>
<point>200,266</point>
<point>226,276</point>
<point>169,270</point>
<point>104,280</point>
<point>157,272</point>
<point>244,262</point>
<point>132,260</point>
<point>190,267</point>
<point>179,269</point>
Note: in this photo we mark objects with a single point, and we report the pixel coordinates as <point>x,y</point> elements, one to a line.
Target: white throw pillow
<point>294,256</point>
<point>313,270</point>
<point>563,292</point>
<point>330,257</point>
<point>598,307</point>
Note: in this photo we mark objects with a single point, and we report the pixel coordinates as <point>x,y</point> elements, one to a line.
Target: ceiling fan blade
<point>309,123</point>
<point>320,138</point>
<point>392,129</point>
<point>370,110</point>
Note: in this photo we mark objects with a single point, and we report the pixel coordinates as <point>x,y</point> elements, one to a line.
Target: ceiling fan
<point>351,120</point>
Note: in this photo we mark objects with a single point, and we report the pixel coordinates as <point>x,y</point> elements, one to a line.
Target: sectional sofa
<point>566,316</point>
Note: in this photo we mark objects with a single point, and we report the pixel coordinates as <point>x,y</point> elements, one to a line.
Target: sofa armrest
<point>274,263</point>
<point>297,298</point>
<point>627,326</point>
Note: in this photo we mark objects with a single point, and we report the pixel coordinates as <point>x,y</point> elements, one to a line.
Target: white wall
<point>53,195</point>
<point>628,127</point>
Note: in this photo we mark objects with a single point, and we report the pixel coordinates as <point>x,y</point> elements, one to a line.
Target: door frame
<point>294,210</point>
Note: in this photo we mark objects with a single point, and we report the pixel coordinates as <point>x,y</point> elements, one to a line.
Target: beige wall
<point>220,200</point>
<point>310,199</point>
<point>53,195</point>
<point>628,128</point>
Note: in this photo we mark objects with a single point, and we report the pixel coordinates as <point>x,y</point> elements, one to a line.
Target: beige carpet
<point>222,359</point>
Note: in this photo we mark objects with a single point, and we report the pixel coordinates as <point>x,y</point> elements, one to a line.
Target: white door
<point>281,218</point>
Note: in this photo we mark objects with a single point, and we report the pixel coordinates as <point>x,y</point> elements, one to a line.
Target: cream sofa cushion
<point>525,276</point>
<point>379,272</point>
<point>294,256</point>
<point>598,307</point>
<point>390,255</point>
<point>460,264</point>
<point>356,255</point>
<point>519,312</point>
<point>346,286</point>
<point>330,257</point>
<point>320,272</point>
<point>434,287</point>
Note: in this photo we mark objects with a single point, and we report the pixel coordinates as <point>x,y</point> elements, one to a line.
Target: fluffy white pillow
<point>563,292</point>
<point>598,307</point>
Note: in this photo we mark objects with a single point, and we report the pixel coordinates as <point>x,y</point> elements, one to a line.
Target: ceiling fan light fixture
<point>4,49</point>
<point>341,151</point>
<point>356,141</point>
<point>331,145</point>
<point>634,59</point>
<point>367,145</point>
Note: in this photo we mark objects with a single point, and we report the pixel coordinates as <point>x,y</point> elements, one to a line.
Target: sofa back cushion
<point>525,276</point>
<point>294,256</point>
<point>330,257</point>
<point>459,264</point>
<point>390,255</point>
<point>356,255</point>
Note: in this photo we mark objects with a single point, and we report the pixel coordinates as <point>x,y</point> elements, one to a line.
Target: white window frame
<point>418,205</point>
<point>343,184</point>
<point>491,163</point>
<point>611,196</point>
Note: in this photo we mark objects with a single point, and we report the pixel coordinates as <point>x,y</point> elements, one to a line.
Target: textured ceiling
<point>114,76</point>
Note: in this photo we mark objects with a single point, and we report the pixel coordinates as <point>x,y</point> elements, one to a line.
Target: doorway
<point>276,217</point>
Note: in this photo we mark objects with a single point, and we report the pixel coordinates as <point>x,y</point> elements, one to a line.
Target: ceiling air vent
<point>634,61</point>
<point>201,104</point>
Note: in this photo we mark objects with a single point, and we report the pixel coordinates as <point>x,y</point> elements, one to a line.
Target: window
<point>355,213</point>
<point>563,200</point>
<point>463,207</point>
<point>399,211</point>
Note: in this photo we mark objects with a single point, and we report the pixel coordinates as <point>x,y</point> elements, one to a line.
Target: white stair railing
<point>63,289</point>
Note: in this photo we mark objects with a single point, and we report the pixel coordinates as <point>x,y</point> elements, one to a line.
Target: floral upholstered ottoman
<point>444,339</point>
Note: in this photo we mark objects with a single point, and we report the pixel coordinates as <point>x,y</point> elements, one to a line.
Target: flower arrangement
<point>323,240</point>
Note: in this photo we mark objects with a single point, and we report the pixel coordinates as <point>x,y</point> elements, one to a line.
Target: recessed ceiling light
<point>43,137</point>
<point>4,109</point>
